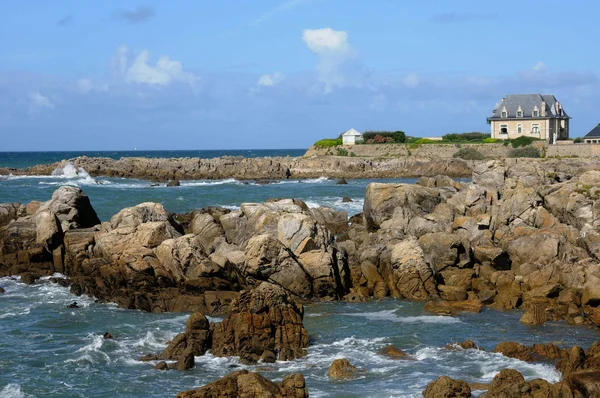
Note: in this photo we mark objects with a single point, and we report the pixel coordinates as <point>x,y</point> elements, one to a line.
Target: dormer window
<point>536,113</point>
<point>503,114</point>
<point>520,112</point>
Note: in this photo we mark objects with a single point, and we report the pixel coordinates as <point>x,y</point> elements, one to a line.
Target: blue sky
<point>193,74</point>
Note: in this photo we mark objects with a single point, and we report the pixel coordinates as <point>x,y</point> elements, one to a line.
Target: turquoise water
<point>48,350</point>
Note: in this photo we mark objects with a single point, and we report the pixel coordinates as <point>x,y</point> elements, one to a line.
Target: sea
<point>49,350</point>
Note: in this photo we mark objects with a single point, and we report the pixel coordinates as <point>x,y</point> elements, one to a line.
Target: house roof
<point>352,132</point>
<point>595,132</point>
<point>528,103</point>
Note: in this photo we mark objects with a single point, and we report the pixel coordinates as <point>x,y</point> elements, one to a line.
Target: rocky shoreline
<point>240,168</point>
<point>521,235</point>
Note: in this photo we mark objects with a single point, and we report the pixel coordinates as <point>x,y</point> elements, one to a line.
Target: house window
<point>503,114</point>
<point>536,113</point>
<point>504,129</point>
<point>519,128</point>
<point>535,128</point>
<point>519,113</point>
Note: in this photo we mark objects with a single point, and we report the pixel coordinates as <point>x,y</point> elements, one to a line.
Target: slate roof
<point>527,102</point>
<point>594,133</point>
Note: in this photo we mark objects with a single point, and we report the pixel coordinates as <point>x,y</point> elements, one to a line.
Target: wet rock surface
<point>245,384</point>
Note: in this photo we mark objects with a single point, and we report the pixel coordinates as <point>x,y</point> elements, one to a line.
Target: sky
<point>234,74</point>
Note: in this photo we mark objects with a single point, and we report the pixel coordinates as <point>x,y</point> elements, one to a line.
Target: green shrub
<point>342,152</point>
<point>525,152</point>
<point>396,136</point>
<point>490,140</point>
<point>328,142</point>
<point>578,140</point>
<point>474,136</point>
<point>468,154</point>
<point>424,141</point>
<point>522,141</point>
<point>352,154</point>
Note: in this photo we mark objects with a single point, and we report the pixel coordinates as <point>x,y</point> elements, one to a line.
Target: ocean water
<point>27,159</point>
<point>48,350</point>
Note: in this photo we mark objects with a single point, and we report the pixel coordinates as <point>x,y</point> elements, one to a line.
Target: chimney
<point>543,110</point>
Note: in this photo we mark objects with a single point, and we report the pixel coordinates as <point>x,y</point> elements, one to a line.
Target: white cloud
<point>338,65</point>
<point>327,41</point>
<point>539,67</point>
<point>271,80</point>
<point>141,71</point>
<point>38,101</point>
<point>411,80</point>
<point>120,60</point>
<point>85,85</point>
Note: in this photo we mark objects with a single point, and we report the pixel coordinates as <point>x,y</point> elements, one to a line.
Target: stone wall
<point>445,151</point>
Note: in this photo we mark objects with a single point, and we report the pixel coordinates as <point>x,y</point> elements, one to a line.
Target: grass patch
<point>525,152</point>
<point>468,154</point>
<point>328,142</point>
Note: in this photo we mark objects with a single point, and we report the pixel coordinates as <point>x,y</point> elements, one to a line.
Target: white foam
<point>12,391</point>
<point>390,315</point>
<point>316,180</point>
<point>202,183</point>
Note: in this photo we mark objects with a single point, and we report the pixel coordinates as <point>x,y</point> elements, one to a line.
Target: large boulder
<point>394,205</point>
<point>245,384</point>
<point>31,239</point>
<point>412,277</point>
<point>341,369</point>
<point>263,321</point>
<point>445,387</point>
<point>72,208</point>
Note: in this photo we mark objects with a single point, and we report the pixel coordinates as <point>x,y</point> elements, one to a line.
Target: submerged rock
<point>393,352</point>
<point>342,369</point>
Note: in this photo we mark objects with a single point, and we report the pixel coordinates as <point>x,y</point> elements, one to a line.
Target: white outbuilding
<point>351,137</point>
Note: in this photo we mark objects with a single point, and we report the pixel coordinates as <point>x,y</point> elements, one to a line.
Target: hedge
<point>468,154</point>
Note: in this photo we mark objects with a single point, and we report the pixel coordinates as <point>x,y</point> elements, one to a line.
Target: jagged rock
<point>445,387</point>
<point>341,181</point>
<point>2,291</point>
<point>174,183</point>
<point>341,369</point>
<point>514,350</point>
<point>465,345</point>
<point>397,204</point>
<point>244,384</point>
<point>186,360</point>
<point>509,383</point>
<point>162,365</point>
<point>196,339</point>
<point>535,315</point>
<point>585,382</point>
<point>262,319</point>
<point>413,278</point>
<point>107,336</point>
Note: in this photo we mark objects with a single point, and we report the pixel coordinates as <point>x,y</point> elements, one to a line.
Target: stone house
<point>593,137</point>
<point>531,115</point>
<point>351,137</point>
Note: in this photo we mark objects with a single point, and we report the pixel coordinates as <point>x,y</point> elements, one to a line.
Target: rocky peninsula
<point>520,235</point>
<point>272,168</point>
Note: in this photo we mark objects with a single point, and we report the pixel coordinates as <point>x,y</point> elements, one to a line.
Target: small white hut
<point>351,137</point>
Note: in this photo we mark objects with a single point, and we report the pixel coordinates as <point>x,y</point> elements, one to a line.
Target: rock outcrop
<point>263,323</point>
<point>445,387</point>
<point>342,369</point>
<point>245,384</point>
